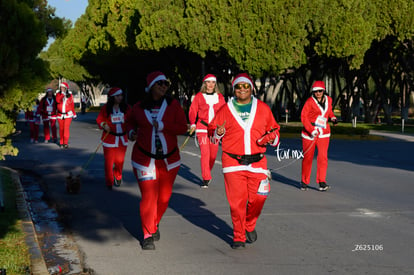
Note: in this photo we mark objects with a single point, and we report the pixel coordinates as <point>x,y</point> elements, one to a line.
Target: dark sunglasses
<point>319,91</point>
<point>240,85</point>
<point>163,82</point>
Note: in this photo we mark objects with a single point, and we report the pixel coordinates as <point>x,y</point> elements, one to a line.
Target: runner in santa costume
<point>316,113</point>
<point>245,126</point>
<point>202,110</point>
<point>65,112</point>
<point>112,119</point>
<point>48,110</point>
<point>154,124</point>
<point>33,118</point>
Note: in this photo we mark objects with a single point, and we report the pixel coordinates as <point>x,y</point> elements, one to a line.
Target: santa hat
<point>318,85</point>
<point>152,78</point>
<point>64,84</point>
<point>114,91</point>
<point>209,77</point>
<point>243,77</point>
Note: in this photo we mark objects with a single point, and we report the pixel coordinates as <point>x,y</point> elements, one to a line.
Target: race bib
<point>70,113</point>
<point>49,109</point>
<point>146,175</point>
<point>264,187</point>
<point>321,122</point>
<point>117,118</point>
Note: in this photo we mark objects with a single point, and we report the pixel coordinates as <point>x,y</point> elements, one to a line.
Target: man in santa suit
<point>202,110</point>
<point>315,115</point>
<point>154,124</point>
<point>245,126</point>
<point>48,110</point>
<point>65,113</point>
<point>112,119</point>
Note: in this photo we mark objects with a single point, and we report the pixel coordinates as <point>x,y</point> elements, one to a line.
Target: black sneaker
<point>117,183</point>
<point>148,244</point>
<point>65,146</point>
<point>323,186</point>
<point>205,183</point>
<point>251,237</point>
<point>238,245</point>
<point>303,186</point>
<point>156,235</point>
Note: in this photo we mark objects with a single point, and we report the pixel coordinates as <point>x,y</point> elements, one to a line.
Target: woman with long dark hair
<point>154,125</point>
<point>112,119</point>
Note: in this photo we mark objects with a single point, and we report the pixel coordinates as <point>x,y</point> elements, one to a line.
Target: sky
<point>70,9</point>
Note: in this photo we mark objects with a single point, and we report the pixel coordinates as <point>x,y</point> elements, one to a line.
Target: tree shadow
<point>192,209</point>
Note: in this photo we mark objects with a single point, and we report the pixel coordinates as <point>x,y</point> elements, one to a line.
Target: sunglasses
<point>163,82</point>
<point>242,85</point>
<point>319,91</point>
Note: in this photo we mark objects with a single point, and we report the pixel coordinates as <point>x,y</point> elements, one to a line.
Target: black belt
<point>157,156</point>
<point>117,134</point>
<point>246,159</point>
<point>62,113</point>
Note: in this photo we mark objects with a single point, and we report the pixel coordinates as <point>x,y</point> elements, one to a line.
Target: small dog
<point>73,184</point>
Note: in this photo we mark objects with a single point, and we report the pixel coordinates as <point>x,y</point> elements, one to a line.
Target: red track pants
<point>47,125</point>
<point>155,196</point>
<point>322,159</point>
<point>208,151</point>
<point>114,163</point>
<point>64,130</point>
<point>34,131</point>
<point>245,202</point>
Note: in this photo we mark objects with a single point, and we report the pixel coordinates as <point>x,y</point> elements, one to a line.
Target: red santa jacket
<point>65,105</point>
<point>33,115</point>
<point>117,123</point>
<point>241,137</point>
<point>315,117</point>
<point>204,107</point>
<point>47,108</point>
<point>171,121</point>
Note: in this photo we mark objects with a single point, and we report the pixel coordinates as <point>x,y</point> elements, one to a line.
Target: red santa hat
<point>64,84</point>
<point>114,91</point>
<point>209,77</point>
<point>318,85</point>
<point>243,77</point>
<point>152,78</point>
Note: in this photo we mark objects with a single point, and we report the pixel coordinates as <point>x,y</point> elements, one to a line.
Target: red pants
<point>245,202</point>
<point>322,160</point>
<point>208,151</point>
<point>114,163</point>
<point>155,196</point>
<point>64,130</point>
<point>47,125</point>
<point>34,131</point>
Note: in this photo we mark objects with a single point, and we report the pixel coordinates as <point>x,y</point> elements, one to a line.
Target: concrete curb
<point>401,136</point>
<point>38,264</point>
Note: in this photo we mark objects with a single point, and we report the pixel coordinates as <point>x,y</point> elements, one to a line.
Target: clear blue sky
<point>69,9</point>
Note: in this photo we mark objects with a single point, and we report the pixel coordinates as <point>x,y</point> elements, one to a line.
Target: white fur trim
<point>160,77</point>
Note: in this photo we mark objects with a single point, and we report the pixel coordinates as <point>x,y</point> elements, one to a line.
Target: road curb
<point>38,264</point>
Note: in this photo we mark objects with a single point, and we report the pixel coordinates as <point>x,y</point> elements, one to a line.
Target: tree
<point>25,27</point>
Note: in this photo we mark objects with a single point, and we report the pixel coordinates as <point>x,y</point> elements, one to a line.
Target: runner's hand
<point>221,129</point>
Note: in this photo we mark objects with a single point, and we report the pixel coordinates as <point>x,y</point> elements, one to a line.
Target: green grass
<point>14,253</point>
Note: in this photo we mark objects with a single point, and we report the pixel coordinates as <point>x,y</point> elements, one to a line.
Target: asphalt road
<point>363,225</point>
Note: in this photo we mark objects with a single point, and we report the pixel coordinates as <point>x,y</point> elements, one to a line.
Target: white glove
<point>315,133</point>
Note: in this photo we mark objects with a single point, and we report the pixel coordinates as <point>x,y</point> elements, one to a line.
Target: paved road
<point>363,225</point>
